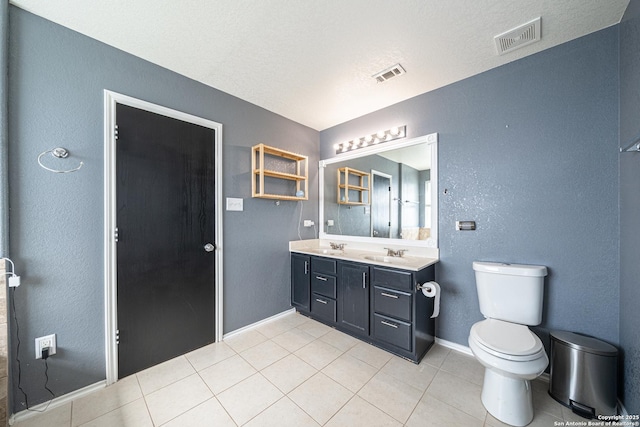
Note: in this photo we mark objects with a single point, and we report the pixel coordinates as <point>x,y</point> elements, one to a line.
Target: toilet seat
<point>506,340</point>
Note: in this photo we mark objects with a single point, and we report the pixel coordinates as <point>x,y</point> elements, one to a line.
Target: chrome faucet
<point>396,253</point>
<point>337,246</point>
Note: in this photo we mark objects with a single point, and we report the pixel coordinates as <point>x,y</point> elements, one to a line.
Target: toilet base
<point>508,399</point>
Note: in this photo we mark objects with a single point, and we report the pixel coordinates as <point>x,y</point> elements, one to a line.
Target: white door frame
<point>110,255</point>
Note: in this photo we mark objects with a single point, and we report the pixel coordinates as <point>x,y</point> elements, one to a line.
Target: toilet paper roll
<point>432,290</point>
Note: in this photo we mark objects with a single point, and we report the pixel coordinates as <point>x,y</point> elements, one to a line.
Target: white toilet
<point>510,298</point>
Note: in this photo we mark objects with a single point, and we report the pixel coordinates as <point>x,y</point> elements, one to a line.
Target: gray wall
<point>630,206</point>
<point>528,151</point>
<point>57,78</point>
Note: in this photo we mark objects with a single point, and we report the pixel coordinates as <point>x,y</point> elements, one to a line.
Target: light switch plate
<point>234,204</point>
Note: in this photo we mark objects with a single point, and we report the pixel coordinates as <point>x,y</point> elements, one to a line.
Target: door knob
<point>209,247</point>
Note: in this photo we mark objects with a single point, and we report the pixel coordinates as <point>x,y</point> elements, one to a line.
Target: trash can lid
<point>584,343</point>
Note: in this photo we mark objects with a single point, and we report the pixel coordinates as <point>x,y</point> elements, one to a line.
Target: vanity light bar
<point>375,138</point>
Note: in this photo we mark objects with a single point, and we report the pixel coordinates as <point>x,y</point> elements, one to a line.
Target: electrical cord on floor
<point>46,365</point>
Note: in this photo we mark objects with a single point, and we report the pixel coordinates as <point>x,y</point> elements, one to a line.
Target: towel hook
<point>60,153</point>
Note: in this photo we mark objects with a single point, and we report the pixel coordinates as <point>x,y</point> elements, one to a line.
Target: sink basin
<point>327,251</point>
<point>382,258</point>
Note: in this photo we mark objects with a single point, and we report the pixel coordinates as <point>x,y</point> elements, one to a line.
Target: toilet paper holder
<point>420,287</point>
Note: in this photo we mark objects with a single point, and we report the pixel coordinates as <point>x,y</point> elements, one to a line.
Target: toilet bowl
<point>510,299</point>
<point>512,356</point>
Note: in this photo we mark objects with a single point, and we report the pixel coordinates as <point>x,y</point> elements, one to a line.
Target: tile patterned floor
<point>294,371</point>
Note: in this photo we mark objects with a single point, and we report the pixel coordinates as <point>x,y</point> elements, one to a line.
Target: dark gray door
<point>381,206</point>
<point>165,217</point>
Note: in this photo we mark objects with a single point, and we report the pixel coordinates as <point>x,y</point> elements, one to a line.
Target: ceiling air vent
<point>518,37</point>
<point>384,75</point>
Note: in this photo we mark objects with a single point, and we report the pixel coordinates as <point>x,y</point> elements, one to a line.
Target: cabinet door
<point>300,281</point>
<point>353,296</point>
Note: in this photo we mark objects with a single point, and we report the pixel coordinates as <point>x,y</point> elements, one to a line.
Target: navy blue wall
<point>57,78</point>
<point>528,151</point>
<point>630,206</point>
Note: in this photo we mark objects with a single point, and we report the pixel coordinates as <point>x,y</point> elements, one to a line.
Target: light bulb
<point>394,131</point>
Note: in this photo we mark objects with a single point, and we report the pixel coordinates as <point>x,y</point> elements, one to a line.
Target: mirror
<point>382,193</point>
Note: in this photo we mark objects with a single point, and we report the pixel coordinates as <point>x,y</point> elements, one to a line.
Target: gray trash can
<point>583,374</point>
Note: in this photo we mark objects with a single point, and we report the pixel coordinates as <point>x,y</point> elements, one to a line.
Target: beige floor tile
<point>358,412</point>
<point>318,354</point>
<point>370,354</point>
<point>436,355</point>
<point>293,339</point>
<point>264,354</point>
<point>296,319</point>
<point>209,355</point>
<point>248,398</point>
<point>457,392</point>
<point>321,397</point>
<point>134,414</point>
<point>543,402</point>
<point>55,417</point>
<point>431,412</point>
<point>227,373</point>
<point>288,373</point>
<point>392,396</point>
<point>314,328</point>
<point>418,376</point>
<point>102,401</point>
<point>172,400</point>
<point>283,413</point>
<point>274,327</point>
<point>350,372</point>
<point>166,373</point>
<point>540,419</point>
<point>208,413</point>
<point>464,366</point>
<point>245,340</point>
<point>340,340</point>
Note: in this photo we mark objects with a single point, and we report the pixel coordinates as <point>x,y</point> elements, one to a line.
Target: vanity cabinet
<point>354,297</point>
<point>300,282</point>
<point>379,305</point>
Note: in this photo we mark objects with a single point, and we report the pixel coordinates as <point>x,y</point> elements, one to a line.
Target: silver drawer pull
<point>389,295</point>
<point>324,279</point>
<point>389,324</point>
<point>324,302</point>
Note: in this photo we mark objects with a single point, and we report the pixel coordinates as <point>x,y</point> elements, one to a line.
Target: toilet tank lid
<point>510,269</point>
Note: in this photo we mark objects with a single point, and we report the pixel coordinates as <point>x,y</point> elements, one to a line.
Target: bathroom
<point>528,150</point>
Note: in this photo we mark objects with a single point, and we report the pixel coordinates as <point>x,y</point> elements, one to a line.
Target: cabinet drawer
<point>392,278</point>
<point>323,265</point>
<point>392,303</point>
<point>323,307</point>
<point>323,285</point>
<point>392,331</point>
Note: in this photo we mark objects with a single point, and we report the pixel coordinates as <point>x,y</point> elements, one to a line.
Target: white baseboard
<point>56,402</point>
<point>454,346</point>
<point>258,323</point>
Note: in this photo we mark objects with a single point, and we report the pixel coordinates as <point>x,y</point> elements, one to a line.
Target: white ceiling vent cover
<point>384,75</point>
<point>518,37</point>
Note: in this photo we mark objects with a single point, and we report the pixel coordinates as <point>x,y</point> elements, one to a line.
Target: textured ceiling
<point>312,61</point>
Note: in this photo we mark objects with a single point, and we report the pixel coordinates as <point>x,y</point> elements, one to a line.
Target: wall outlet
<point>330,222</point>
<point>44,342</point>
<point>308,223</point>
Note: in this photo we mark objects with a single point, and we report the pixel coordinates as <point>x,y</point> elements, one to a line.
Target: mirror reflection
<point>380,195</point>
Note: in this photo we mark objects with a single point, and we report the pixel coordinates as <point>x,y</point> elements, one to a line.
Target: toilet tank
<point>510,292</point>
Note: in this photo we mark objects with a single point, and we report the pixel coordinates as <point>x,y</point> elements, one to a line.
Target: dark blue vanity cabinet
<point>377,304</point>
<point>300,280</point>
<point>354,297</point>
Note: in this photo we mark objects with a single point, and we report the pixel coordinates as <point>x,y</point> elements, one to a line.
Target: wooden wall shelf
<point>346,186</point>
<point>259,172</point>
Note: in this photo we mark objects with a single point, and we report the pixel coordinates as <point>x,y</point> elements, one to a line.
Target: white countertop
<point>369,254</point>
